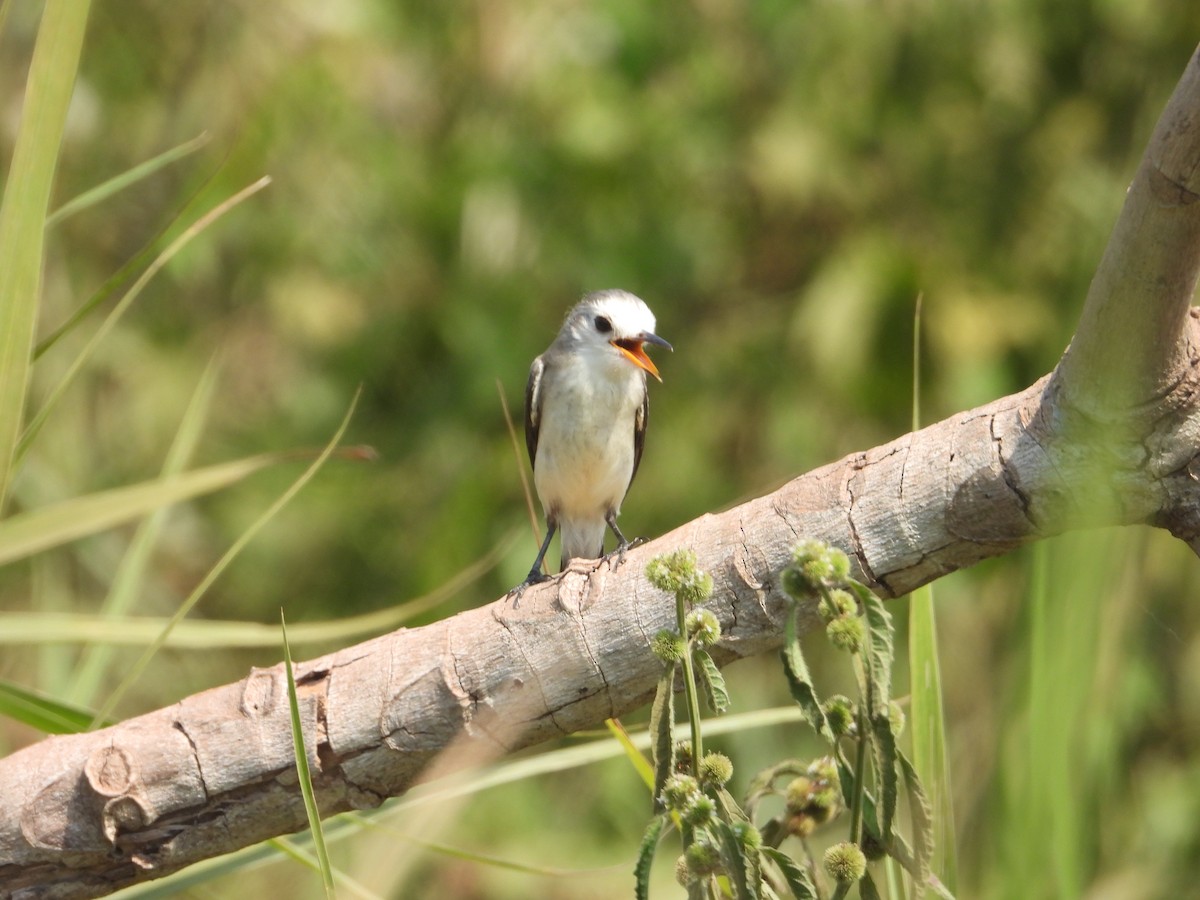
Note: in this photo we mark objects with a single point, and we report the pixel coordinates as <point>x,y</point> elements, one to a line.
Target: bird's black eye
<point>603,325</point>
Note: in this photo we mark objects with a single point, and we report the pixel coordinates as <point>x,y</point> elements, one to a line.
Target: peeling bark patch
<point>258,693</point>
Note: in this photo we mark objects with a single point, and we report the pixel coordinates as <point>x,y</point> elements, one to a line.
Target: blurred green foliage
<point>779,180</point>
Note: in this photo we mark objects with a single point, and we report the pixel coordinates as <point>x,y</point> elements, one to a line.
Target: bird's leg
<point>622,544</point>
<point>536,575</point>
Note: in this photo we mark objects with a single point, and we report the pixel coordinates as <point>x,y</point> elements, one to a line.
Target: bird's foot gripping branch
<point>725,851</point>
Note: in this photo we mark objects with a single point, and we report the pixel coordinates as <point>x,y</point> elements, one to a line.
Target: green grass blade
<point>23,210</point>
<point>118,183</point>
<point>52,526</point>
<point>927,716</point>
<point>291,849</point>
<point>41,712</point>
<point>118,311</point>
<point>927,726</point>
<point>138,667</point>
<point>26,628</point>
<point>311,810</point>
<point>127,583</point>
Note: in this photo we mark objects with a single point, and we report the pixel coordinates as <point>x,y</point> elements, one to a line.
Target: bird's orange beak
<point>631,349</point>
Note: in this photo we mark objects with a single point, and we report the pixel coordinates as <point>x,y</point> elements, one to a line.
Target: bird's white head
<point>613,322</point>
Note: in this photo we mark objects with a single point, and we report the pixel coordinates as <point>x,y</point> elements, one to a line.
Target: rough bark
<point>1109,437</point>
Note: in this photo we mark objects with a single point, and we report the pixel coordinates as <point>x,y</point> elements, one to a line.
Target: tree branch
<point>1128,348</point>
<point>85,814</point>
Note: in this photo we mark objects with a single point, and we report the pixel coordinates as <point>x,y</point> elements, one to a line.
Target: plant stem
<point>689,688</point>
<point>860,765</point>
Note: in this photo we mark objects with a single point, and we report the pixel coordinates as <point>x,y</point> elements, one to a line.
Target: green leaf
<point>645,857</point>
<point>867,889</point>
<point>311,810</point>
<point>662,731</point>
<point>793,873</point>
<point>879,651</point>
<point>738,865</point>
<point>715,693</point>
<point>118,183</point>
<point>922,823</point>
<point>41,712</point>
<point>884,744</point>
<point>26,198</point>
<point>799,681</point>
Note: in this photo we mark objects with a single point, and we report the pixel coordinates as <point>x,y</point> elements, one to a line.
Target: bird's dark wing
<point>640,419</point>
<point>533,407</point>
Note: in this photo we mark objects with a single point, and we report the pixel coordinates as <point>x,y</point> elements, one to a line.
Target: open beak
<point>631,348</point>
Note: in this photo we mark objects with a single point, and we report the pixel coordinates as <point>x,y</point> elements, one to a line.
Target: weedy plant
<point>727,851</point>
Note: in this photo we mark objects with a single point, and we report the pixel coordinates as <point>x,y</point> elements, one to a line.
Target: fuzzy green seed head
<point>715,769</point>
<point>800,825</point>
<point>700,811</point>
<point>839,712</point>
<point>840,563</point>
<point>683,875</point>
<point>703,627</point>
<point>824,768</point>
<point>817,570</point>
<point>703,858</point>
<point>808,550</point>
<point>696,589</point>
<point>747,835</point>
<point>683,757</point>
<point>796,584</point>
<point>798,794</point>
<point>678,792</point>
<point>845,863</point>
<point>835,604</point>
<point>846,633</point>
<point>823,799</point>
<point>668,646</point>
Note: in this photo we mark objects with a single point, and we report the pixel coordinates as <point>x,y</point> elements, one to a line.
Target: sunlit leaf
<point>23,208</point>
<point>637,759</point>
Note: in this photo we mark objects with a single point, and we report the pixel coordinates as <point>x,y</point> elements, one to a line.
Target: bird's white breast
<point>585,446</point>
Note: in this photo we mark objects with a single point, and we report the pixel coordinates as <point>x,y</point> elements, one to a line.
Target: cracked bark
<point>1109,437</point>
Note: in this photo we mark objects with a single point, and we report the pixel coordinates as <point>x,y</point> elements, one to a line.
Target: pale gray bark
<point>1110,437</point>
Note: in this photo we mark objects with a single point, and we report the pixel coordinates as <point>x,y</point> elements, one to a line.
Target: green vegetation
<point>778,180</point>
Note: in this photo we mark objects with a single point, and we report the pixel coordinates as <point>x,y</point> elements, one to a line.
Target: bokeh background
<point>780,181</point>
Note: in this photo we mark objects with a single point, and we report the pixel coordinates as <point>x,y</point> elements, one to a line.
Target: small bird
<point>586,407</point>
